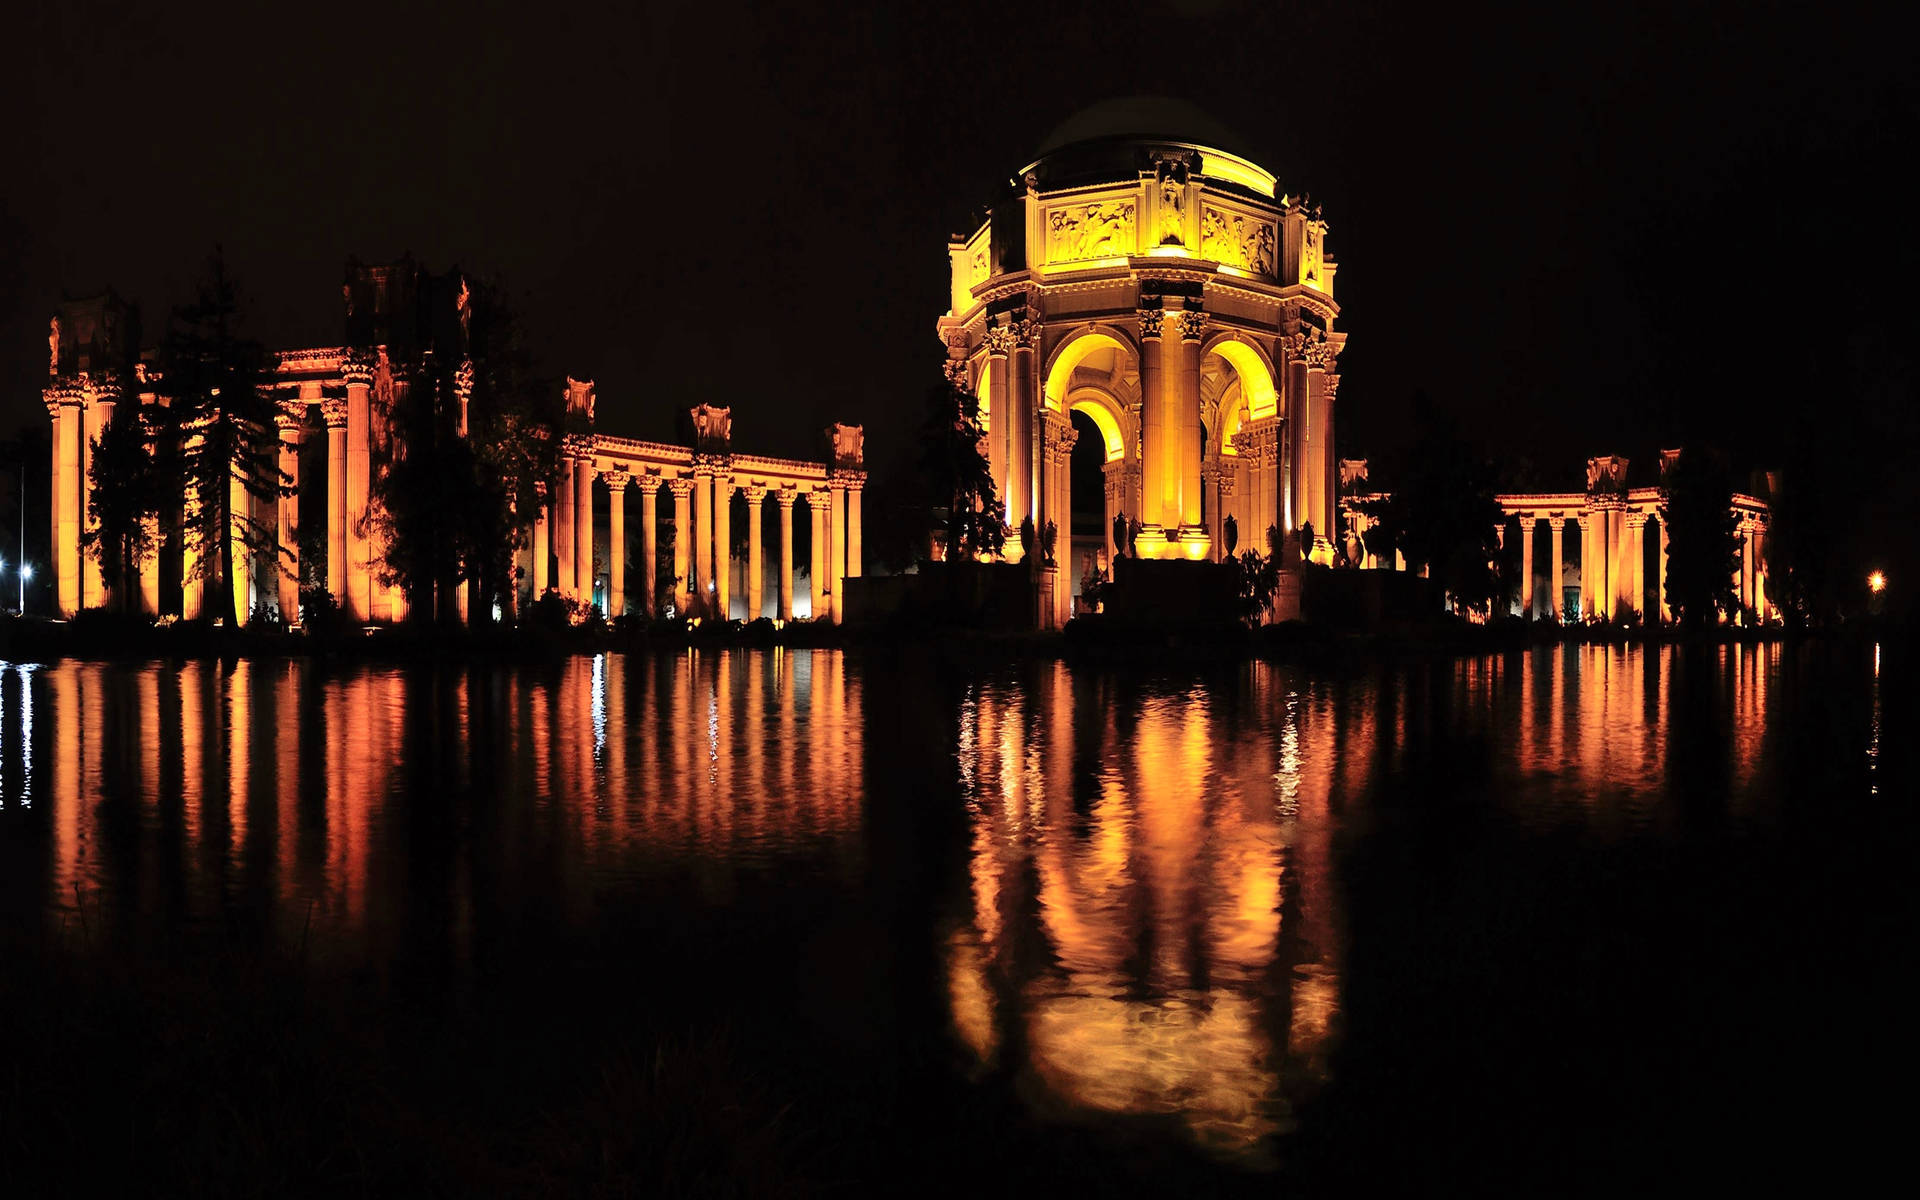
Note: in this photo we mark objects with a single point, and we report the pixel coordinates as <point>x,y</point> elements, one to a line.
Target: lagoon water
<point>1568,916</point>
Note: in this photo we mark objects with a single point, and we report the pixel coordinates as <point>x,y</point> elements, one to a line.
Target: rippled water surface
<point>1228,906</point>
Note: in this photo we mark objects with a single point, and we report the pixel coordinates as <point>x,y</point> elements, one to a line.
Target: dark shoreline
<point>103,638</point>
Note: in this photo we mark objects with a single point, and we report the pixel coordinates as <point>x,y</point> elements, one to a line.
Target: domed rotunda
<point>1147,274</point>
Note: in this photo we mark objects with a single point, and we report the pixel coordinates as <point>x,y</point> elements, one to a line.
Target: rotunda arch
<point>1252,366</point>
<point>1076,349</point>
<point>1108,415</point>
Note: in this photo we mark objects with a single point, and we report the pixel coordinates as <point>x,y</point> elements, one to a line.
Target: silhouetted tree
<point>1703,547</point>
<point>220,438</point>
<point>1441,511</point>
<point>957,471</point>
<point>127,492</point>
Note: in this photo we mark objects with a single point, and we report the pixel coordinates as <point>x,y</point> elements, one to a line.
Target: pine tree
<point>1703,543</point>
<point>221,436</point>
<point>126,495</point>
<point>958,472</point>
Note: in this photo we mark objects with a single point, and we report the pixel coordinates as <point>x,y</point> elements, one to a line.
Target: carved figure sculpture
<point>1090,231</point>
<point>53,347</point>
<point>579,397</point>
<point>712,429</point>
<point>1173,215</point>
<point>848,445</point>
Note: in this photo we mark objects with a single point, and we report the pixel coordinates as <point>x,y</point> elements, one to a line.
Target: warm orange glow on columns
<point>723,546</point>
<point>286,542</point>
<point>1185,418</point>
<point>756,594</point>
<point>193,588</point>
<point>682,490</point>
<point>785,498</point>
<point>238,499</point>
<point>1156,435</point>
<point>836,548</point>
<point>1526,567</point>
<point>999,344</point>
<point>335,413</point>
<point>817,567</point>
<point>542,552</point>
<point>1319,510</point>
<point>67,433</point>
<point>649,541</point>
<point>853,531</point>
<point>1557,578</point>
<point>1299,422</point>
<point>1019,426</point>
<point>1660,570</point>
<point>583,527</point>
<point>1636,560</point>
<point>359,597</point>
<point>616,543</point>
<point>562,530</point>
<point>703,540</point>
<point>93,584</point>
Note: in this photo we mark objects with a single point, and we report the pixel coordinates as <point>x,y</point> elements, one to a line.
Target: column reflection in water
<point>331,807</point>
<point>1143,869</point>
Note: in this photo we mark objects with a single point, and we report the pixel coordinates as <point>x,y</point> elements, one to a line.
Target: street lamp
<point>1877,582</point>
<point>26,573</point>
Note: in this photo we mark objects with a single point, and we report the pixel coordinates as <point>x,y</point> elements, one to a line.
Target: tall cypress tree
<point>1703,543</point>
<point>221,434</point>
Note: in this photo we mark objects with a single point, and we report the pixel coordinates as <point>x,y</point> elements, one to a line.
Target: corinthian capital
<point>1026,332</point>
<point>998,340</point>
<point>1193,323</point>
<point>357,368</point>
<point>1151,322</point>
<point>333,410</point>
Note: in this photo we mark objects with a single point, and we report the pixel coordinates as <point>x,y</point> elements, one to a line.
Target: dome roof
<point>1145,118</point>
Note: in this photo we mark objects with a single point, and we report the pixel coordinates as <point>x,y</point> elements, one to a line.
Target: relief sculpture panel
<point>1238,241</point>
<point>1081,231</point>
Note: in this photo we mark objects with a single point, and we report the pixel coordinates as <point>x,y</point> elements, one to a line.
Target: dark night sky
<point>1584,233</point>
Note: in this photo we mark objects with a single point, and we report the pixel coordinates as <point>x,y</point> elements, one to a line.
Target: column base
<point>1195,544</point>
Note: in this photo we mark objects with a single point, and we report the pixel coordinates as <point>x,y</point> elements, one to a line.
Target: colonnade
<point>341,385</point>
<point>701,490</point>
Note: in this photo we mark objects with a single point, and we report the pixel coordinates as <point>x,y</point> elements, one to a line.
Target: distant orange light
<point>1877,582</point>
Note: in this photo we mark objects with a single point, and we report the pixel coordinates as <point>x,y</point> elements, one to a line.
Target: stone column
<point>1298,432</point>
<point>785,497</point>
<point>1660,571</point>
<point>150,565</point>
<point>756,499</point>
<point>542,547</point>
<point>69,414</point>
<point>683,588</point>
<point>1020,440</point>
<point>1319,508</point>
<point>333,410</point>
<point>359,581</point>
<point>1745,529</point>
<point>1329,461</point>
<point>1587,568</point>
<point>617,543</point>
<point>563,494</point>
<point>99,411</point>
<point>1156,433</point>
<point>999,344</point>
<point>1110,506</point>
<point>649,541</point>
<point>723,545</point>
<point>583,473</point>
<point>817,566</point>
<point>1186,416</point>
<point>703,585</point>
<point>836,547</point>
<point>286,559</point>
<point>1636,551</point>
<point>1556,579</point>
<point>1526,567</point>
<point>855,484</point>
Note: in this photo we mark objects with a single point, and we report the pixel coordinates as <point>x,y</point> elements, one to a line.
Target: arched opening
<point>1097,358</point>
<point>1087,485</point>
<point>1249,369</point>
